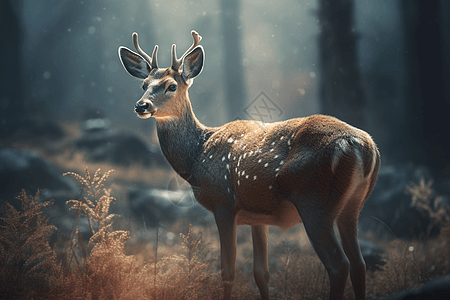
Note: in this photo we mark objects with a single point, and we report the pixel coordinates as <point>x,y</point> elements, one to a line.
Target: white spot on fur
<point>223,158</point>
<point>266,164</point>
<point>203,160</point>
<point>245,154</point>
<point>230,140</point>
<point>229,155</point>
<point>243,172</point>
<point>281,162</point>
<point>239,183</point>
<point>289,142</point>
<point>273,143</point>
<point>277,169</point>
<point>210,156</point>
<point>225,177</point>
<point>228,167</point>
<point>260,160</point>
<point>281,138</point>
<point>276,156</point>
<point>246,176</point>
<point>270,187</point>
<point>271,150</point>
<point>254,177</point>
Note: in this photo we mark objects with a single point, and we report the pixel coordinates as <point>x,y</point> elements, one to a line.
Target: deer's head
<point>165,89</point>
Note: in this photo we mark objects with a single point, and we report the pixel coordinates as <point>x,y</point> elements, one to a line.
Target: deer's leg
<point>226,223</point>
<point>319,227</point>
<point>260,259</point>
<point>347,223</point>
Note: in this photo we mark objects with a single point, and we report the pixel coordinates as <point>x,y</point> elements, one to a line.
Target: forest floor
<point>124,260</point>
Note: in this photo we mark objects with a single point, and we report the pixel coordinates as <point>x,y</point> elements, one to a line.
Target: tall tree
<point>427,98</point>
<point>234,77</point>
<point>341,90</point>
<point>11,100</point>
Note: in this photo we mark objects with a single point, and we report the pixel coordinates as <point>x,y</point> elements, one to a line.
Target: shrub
<point>27,263</point>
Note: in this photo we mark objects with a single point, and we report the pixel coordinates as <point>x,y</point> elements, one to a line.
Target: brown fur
<point>317,169</point>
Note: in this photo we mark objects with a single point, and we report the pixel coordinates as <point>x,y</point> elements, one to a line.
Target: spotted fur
<point>317,169</point>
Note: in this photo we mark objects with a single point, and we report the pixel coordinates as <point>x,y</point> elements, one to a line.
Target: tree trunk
<point>427,99</point>
<point>341,90</point>
<point>11,101</point>
<point>234,77</point>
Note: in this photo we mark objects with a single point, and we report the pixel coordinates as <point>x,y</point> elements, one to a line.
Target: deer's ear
<point>135,64</point>
<point>193,63</point>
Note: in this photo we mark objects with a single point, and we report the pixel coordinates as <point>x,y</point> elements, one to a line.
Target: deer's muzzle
<point>144,108</point>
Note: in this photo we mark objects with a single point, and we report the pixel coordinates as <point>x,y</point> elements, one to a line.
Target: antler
<point>152,61</point>
<point>176,63</point>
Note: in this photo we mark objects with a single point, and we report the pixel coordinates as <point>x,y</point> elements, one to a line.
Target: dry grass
<point>107,264</point>
<point>410,264</point>
<point>27,263</point>
<point>155,177</point>
<point>302,275</point>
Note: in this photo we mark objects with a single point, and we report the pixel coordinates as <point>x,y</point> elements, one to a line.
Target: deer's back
<point>255,167</point>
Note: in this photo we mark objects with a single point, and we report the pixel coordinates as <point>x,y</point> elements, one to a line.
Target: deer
<point>317,170</point>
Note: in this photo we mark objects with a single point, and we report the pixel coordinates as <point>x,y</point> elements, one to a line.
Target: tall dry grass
<point>95,264</point>
<point>28,267</point>
<point>105,271</point>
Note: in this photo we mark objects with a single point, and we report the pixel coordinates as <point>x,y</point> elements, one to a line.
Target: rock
<point>34,129</point>
<point>23,169</point>
<point>119,148</point>
<point>435,289</point>
<point>388,212</point>
<point>160,206</point>
<point>371,254</point>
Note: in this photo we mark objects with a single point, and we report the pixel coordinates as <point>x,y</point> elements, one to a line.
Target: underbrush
<point>98,263</point>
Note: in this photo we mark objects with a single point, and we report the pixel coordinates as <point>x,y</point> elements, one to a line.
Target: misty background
<point>66,104</point>
<point>382,66</point>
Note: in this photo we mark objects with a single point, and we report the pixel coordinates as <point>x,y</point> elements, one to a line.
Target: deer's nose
<point>140,107</point>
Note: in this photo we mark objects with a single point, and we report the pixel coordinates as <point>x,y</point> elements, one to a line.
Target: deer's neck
<point>182,139</point>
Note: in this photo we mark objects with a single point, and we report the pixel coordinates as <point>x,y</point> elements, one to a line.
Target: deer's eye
<point>144,86</point>
<point>172,87</point>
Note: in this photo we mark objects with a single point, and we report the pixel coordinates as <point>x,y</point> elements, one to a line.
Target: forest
<point>91,209</point>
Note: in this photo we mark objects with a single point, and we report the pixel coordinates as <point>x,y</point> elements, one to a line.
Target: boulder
<point>119,148</point>
<point>436,289</point>
<point>371,254</point>
<point>163,206</point>
<point>23,169</point>
<point>35,128</point>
